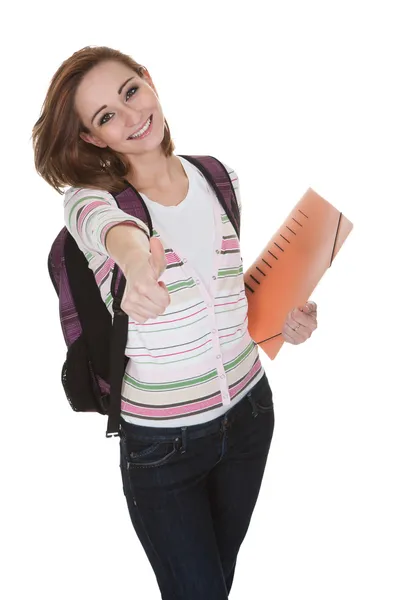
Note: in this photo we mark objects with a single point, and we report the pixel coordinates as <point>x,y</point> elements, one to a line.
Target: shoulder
<point>74,195</point>
<point>234,180</point>
<point>232,174</point>
<point>235,184</point>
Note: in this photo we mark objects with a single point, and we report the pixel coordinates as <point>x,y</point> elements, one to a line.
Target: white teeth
<point>142,131</point>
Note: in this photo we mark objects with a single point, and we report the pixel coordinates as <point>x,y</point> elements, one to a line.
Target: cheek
<point>114,132</point>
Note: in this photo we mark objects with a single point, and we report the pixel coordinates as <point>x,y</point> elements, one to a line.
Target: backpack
<point>92,374</point>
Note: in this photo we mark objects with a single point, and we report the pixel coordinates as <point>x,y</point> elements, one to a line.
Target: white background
<point>291,95</point>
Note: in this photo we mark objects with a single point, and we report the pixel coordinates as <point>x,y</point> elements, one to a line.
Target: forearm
<point>125,242</point>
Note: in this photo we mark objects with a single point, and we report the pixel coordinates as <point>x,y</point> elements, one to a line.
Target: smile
<point>143,131</point>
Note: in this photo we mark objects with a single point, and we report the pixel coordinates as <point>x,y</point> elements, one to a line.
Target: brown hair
<point>61,157</point>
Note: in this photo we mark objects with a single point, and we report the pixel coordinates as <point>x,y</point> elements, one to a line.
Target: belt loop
<point>253,405</point>
<point>184,440</point>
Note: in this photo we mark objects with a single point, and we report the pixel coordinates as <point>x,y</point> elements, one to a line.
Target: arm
<point>98,225</point>
<point>126,244</point>
<point>91,214</point>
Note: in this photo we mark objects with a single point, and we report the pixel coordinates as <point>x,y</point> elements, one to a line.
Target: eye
<point>131,92</point>
<point>105,118</point>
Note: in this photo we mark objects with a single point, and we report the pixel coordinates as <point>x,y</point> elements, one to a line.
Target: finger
<point>157,259</point>
<point>292,328</point>
<point>298,314</point>
<point>310,307</point>
<point>299,317</point>
<point>140,314</point>
<point>150,308</point>
<point>164,287</point>
<point>152,290</point>
<point>297,331</point>
<point>159,295</point>
<point>289,335</point>
<point>147,306</point>
<point>137,316</point>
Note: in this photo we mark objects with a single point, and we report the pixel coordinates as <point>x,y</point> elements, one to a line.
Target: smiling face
<point>120,109</point>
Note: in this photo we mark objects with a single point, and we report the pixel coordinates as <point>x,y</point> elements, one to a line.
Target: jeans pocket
<point>145,454</point>
<point>263,396</point>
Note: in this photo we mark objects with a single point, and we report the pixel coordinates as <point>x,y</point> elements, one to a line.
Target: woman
<point>197,413</point>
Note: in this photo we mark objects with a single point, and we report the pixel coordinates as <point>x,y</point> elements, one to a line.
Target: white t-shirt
<point>189,227</point>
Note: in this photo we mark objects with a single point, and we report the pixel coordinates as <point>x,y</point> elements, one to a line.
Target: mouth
<point>143,131</point>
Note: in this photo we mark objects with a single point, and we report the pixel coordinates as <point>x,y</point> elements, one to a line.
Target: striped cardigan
<point>195,361</point>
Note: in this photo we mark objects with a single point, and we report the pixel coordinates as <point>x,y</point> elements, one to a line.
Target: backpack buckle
<point>116,305</point>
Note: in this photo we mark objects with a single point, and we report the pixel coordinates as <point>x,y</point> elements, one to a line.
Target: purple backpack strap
<point>219,179</point>
<point>131,202</point>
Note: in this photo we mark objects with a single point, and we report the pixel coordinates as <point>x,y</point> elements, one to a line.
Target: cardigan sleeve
<point>89,215</point>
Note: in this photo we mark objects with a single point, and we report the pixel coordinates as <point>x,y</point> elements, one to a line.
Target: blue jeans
<point>191,493</point>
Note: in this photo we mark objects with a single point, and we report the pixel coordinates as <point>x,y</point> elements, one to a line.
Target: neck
<point>154,170</point>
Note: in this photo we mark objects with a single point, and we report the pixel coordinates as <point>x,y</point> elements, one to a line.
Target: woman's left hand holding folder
<point>300,323</point>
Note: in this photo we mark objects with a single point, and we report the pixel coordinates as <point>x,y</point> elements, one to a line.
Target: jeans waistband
<point>192,431</point>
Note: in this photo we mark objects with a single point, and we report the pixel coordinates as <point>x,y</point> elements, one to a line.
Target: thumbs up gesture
<point>145,297</point>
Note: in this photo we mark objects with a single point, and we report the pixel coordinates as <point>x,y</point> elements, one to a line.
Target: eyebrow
<point>119,92</point>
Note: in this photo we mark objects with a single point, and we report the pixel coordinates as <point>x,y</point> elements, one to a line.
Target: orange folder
<point>290,267</point>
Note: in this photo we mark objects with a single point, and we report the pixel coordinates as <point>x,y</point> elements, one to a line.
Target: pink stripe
<point>227,303</point>
<point>171,257</point>
<point>229,334</point>
<point>166,355</point>
<point>87,209</point>
<point>236,389</point>
<point>171,411</point>
<point>104,270</point>
<point>230,245</point>
<point>173,321</point>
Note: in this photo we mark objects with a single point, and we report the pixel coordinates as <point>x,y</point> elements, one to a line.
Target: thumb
<point>311,306</point>
<point>157,258</point>
<point>164,287</point>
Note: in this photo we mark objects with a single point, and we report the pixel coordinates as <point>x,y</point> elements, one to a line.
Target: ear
<point>92,139</point>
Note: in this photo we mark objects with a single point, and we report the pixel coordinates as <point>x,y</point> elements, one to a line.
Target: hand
<point>145,297</point>
<point>300,323</point>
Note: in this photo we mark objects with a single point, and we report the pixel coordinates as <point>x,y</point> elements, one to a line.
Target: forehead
<point>100,86</point>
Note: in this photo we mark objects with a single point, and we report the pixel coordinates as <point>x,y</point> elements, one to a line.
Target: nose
<point>132,116</point>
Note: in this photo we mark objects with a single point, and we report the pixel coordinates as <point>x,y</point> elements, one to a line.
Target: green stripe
<point>232,271</point>
<point>160,387</point>
<point>89,256</point>
<point>108,299</point>
<point>246,352</point>
<point>188,283</point>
